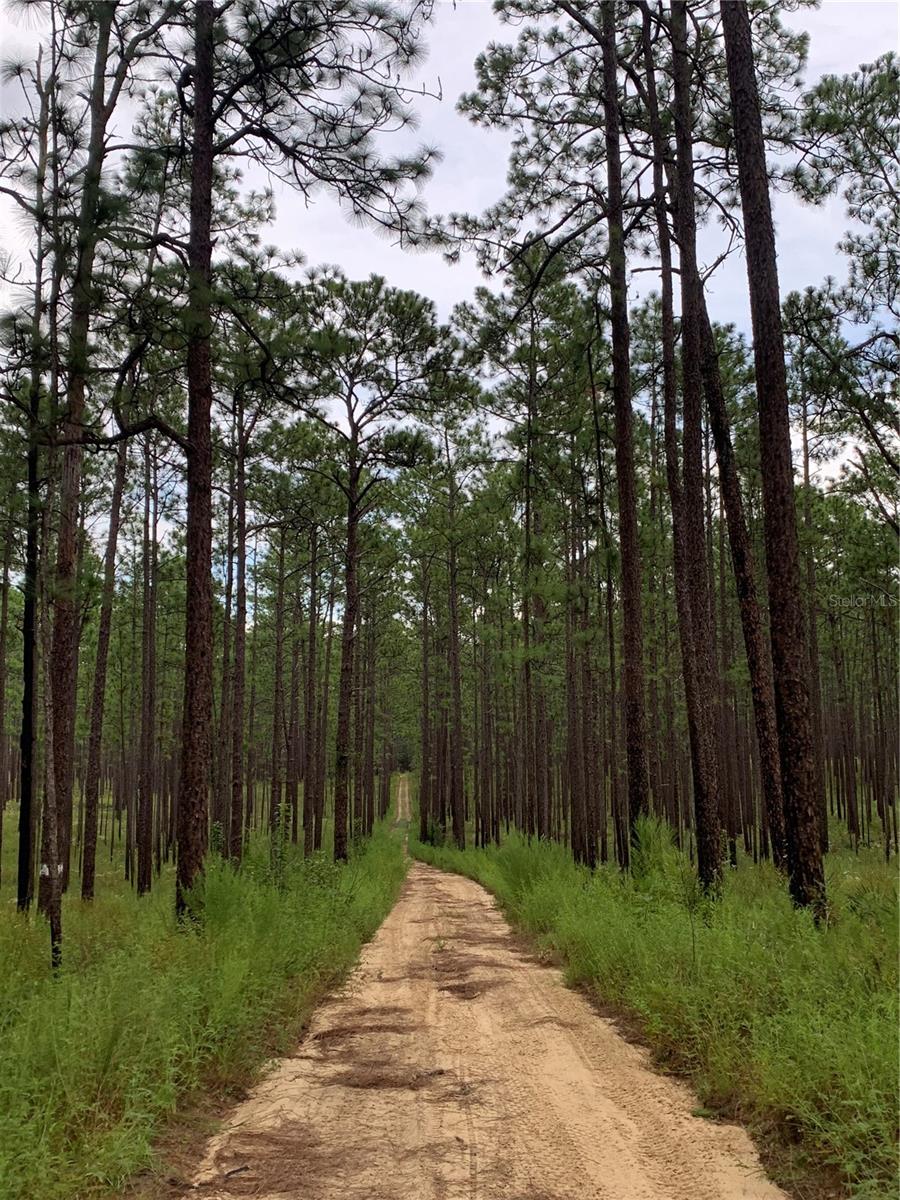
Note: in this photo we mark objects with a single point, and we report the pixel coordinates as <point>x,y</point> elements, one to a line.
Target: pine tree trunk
<point>98,700</point>
<point>324,709</point>
<point>694,560</point>
<point>311,722</point>
<point>275,796</point>
<point>759,660</point>
<point>66,623</point>
<point>425,816</point>
<point>25,863</point>
<point>682,565</point>
<point>348,644</point>
<point>457,783</point>
<point>148,692</point>
<point>786,617</point>
<point>238,680</point>
<point>222,781</point>
<point>196,754</point>
<point>633,637</point>
<point>4,642</point>
<point>292,781</point>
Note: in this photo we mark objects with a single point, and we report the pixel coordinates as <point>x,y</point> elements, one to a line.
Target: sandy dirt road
<point>452,1065</point>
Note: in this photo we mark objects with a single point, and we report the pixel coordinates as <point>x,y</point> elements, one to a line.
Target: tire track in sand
<point>454,1067</point>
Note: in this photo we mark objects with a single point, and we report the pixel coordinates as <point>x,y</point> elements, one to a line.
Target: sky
<point>843,33</point>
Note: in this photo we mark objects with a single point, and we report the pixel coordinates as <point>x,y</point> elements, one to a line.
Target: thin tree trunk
<point>25,865</point>
<point>633,637</point>
<point>425,815</point>
<point>148,691</point>
<point>705,766</point>
<point>275,813</point>
<point>66,624</point>
<point>193,795</point>
<point>457,783</point>
<point>348,640</point>
<point>756,645</point>
<point>238,681</point>
<point>311,718</point>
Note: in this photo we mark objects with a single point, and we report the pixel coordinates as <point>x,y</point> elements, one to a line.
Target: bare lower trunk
<point>311,722</point>
<point>98,699</point>
<point>703,749</point>
<point>633,636</point>
<point>790,659</point>
<point>148,692</point>
<point>425,816</point>
<point>759,660</point>
<point>345,685</point>
<point>238,682</point>
<point>193,796</point>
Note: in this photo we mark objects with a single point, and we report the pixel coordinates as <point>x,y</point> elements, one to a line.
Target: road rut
<point>453,1066</point>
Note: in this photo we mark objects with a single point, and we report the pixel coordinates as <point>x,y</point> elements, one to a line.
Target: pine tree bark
<point>348,643</point>
<point>324,710</point>
<point>681,558</point>
<point>98,699</point>
<point>4,642</point>
<point>25,861</point>
<point>789,653</point>
<point>311,723</point>
<point>633,637</point>
<point>66,624</point>
<point>756,646</point>
<point>148,691</point>
<point>222,758</point>
<point>425,813</point>
<point>457,783</point>
<point>275,793</point>
<point>703,747</point>
<point>238,668</point>
<point>196,752</point>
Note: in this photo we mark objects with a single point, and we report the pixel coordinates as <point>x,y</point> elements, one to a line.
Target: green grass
<point>789,1028</point>
<point>144,1013</point>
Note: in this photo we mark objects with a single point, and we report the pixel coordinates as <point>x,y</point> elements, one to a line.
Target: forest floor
<point>454,1064</point>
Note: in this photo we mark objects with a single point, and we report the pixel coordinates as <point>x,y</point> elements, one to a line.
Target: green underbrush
<point>144,1013</point>
<point>785,1026</point>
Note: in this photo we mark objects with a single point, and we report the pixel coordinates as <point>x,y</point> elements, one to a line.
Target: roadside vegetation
<point>784,1026</point>
<point>144,1013</point>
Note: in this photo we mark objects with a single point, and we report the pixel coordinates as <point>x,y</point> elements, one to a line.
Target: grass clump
<point>144,1012</point>
<point>785,1026</point>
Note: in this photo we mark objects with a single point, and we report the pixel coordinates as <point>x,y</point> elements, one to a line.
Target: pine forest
<point>454,524</point>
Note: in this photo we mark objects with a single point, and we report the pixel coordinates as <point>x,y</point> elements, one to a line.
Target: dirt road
<point>454,1066</point>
